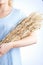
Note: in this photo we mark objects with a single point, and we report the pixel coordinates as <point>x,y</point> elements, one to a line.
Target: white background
<point>29,6</point>
<point>32,55</point>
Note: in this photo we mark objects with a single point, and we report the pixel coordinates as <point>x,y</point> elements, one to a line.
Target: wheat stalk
<point>24,28</point>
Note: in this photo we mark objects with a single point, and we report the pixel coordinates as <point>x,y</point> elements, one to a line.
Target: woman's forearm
<point>4,48</point>
<point>25,42</point>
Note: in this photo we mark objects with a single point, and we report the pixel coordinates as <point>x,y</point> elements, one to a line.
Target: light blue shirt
<point>6,24</point>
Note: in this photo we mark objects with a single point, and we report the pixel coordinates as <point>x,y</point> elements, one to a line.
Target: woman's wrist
<point>14,44</point>
<point>11,44</point>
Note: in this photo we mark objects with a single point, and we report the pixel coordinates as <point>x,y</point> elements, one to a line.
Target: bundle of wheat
<point>24,28</point>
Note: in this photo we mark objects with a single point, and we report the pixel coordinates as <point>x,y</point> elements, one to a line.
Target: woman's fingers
<point>1,53</point>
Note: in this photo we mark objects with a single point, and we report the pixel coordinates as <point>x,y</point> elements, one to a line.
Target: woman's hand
<point>5,47</point>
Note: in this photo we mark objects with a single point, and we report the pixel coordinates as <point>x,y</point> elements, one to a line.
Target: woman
<point>10,52</point>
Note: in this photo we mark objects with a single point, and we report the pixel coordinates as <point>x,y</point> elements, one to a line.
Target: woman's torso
<point>6,24</point>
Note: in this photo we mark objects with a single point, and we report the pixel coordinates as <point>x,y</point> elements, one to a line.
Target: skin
<point>5,9</point>
<point>4,48</point>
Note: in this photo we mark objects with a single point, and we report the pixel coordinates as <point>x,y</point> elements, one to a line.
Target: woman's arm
<point>4,48</point>
<point>32,39</point>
